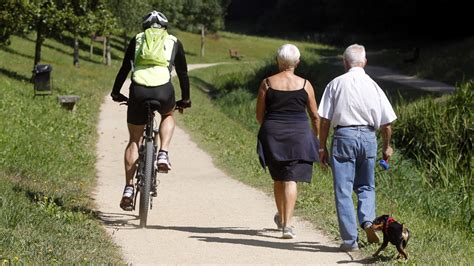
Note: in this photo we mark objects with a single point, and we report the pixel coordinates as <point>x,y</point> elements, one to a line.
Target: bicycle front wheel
<point>146,184</point>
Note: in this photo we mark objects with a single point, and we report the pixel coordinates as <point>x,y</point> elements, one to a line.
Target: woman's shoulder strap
<point>267,82</point>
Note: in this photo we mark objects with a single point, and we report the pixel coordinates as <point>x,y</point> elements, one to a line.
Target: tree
<point>195,15</point>
<point>209,17</point>
<point>129,16</point>
<point>12,19</point>
<point>79,21</point>
<point>105,24</point>
<point>45,18</point>
<point>84,18</point>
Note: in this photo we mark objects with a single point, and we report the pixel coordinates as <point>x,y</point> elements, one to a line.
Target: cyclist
<point>151,56</point>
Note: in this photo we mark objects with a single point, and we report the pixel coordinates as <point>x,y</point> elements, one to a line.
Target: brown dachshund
<point>393,232</point>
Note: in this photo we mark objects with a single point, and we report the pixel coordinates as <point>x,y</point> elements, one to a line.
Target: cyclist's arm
<point>181,68</point>
<point>126,67</point>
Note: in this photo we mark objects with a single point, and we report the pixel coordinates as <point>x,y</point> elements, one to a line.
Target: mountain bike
<point>145,177</point>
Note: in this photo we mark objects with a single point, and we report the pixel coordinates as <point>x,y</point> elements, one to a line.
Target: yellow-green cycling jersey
<point>153,52</point>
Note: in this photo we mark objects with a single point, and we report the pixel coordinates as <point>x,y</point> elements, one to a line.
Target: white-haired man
<point>356,107</point>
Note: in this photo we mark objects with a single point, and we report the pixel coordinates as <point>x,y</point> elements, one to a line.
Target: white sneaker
<point>163,161</point>
<point>288,233</point>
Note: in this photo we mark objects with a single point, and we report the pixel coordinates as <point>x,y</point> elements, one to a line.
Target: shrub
<point>437,134</point>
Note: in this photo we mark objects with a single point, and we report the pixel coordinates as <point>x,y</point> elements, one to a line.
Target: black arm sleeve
<point>125,68</point>
<point>181,68</point>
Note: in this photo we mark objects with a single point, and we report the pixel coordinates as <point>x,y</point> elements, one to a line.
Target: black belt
<point>338,127</point>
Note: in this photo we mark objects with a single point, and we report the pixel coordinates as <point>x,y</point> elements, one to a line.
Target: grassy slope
<point>47,159</point>
<point>253,48</point>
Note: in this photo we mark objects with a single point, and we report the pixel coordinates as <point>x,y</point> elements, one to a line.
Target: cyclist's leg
<point>165,94</point>
<point>167,126</point>
<point>136,118</point>
<point>130,157</point>
<point>131,151</point>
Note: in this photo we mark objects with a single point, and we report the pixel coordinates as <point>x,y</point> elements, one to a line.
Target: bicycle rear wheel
<point>146,184</point>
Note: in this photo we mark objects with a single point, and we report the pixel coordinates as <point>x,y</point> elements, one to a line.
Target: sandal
<point>127,199</point>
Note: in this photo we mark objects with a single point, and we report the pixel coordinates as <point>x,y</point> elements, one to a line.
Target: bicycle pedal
<point>162,169</point>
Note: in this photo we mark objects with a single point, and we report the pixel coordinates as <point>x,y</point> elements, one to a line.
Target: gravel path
<point>201,215</point>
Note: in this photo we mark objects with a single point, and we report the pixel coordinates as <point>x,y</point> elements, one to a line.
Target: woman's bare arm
<point>260,109</point>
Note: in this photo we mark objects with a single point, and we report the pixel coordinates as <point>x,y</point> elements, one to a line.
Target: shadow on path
<point>297,246</point>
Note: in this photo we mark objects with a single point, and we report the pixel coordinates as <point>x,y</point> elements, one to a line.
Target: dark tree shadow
<point>11,51</point>
<point>15,75</point>
<point>69,41</point>
<point>70,44</point>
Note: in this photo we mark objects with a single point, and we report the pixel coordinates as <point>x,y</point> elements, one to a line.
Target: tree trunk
<point>104,52</point>
<point>76,50</point>
<point>92,47</point>
<point>39,42</point>
<point>202,40</point>
<point>108,48</point>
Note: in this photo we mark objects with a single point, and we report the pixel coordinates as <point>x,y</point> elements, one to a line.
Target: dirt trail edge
<point>201,215</point>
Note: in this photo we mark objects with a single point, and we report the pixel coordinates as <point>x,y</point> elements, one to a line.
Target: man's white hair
<point>354,55</point>
<point>288,54</point>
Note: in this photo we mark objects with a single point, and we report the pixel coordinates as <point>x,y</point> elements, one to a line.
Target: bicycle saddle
<point>153,104</point>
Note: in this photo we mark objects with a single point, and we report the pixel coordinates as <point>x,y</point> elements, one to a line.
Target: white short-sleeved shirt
<point>355,99</point>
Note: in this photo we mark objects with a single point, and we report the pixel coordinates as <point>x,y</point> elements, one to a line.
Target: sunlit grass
<point>47,159</point>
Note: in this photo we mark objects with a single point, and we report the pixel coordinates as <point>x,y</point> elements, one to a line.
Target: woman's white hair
<point>288,54</point>
<point>354,55</point>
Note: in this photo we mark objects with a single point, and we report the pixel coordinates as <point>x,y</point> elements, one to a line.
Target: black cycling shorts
<point>137,113</point>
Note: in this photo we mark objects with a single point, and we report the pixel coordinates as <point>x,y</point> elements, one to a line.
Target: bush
<point>437,134</point>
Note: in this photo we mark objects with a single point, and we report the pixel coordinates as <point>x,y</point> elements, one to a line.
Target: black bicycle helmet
<point>154,19</point>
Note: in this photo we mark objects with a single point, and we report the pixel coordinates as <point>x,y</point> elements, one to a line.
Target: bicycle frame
<point>146,173</point>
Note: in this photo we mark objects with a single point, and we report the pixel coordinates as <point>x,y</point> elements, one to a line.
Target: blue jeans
<point>354,151</point>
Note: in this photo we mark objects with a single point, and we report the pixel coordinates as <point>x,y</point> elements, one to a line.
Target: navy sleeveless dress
<point>286,142</point>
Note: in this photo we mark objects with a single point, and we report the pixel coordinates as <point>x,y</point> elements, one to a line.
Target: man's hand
<point>387,153</point>
<point>387,150</point>
<point>118,97</point>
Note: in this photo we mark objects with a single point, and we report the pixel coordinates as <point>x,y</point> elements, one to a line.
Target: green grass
<point>252,48</point>
<point>47,159</point>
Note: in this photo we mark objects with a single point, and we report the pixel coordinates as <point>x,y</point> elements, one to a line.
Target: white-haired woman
<point>287,145</point>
